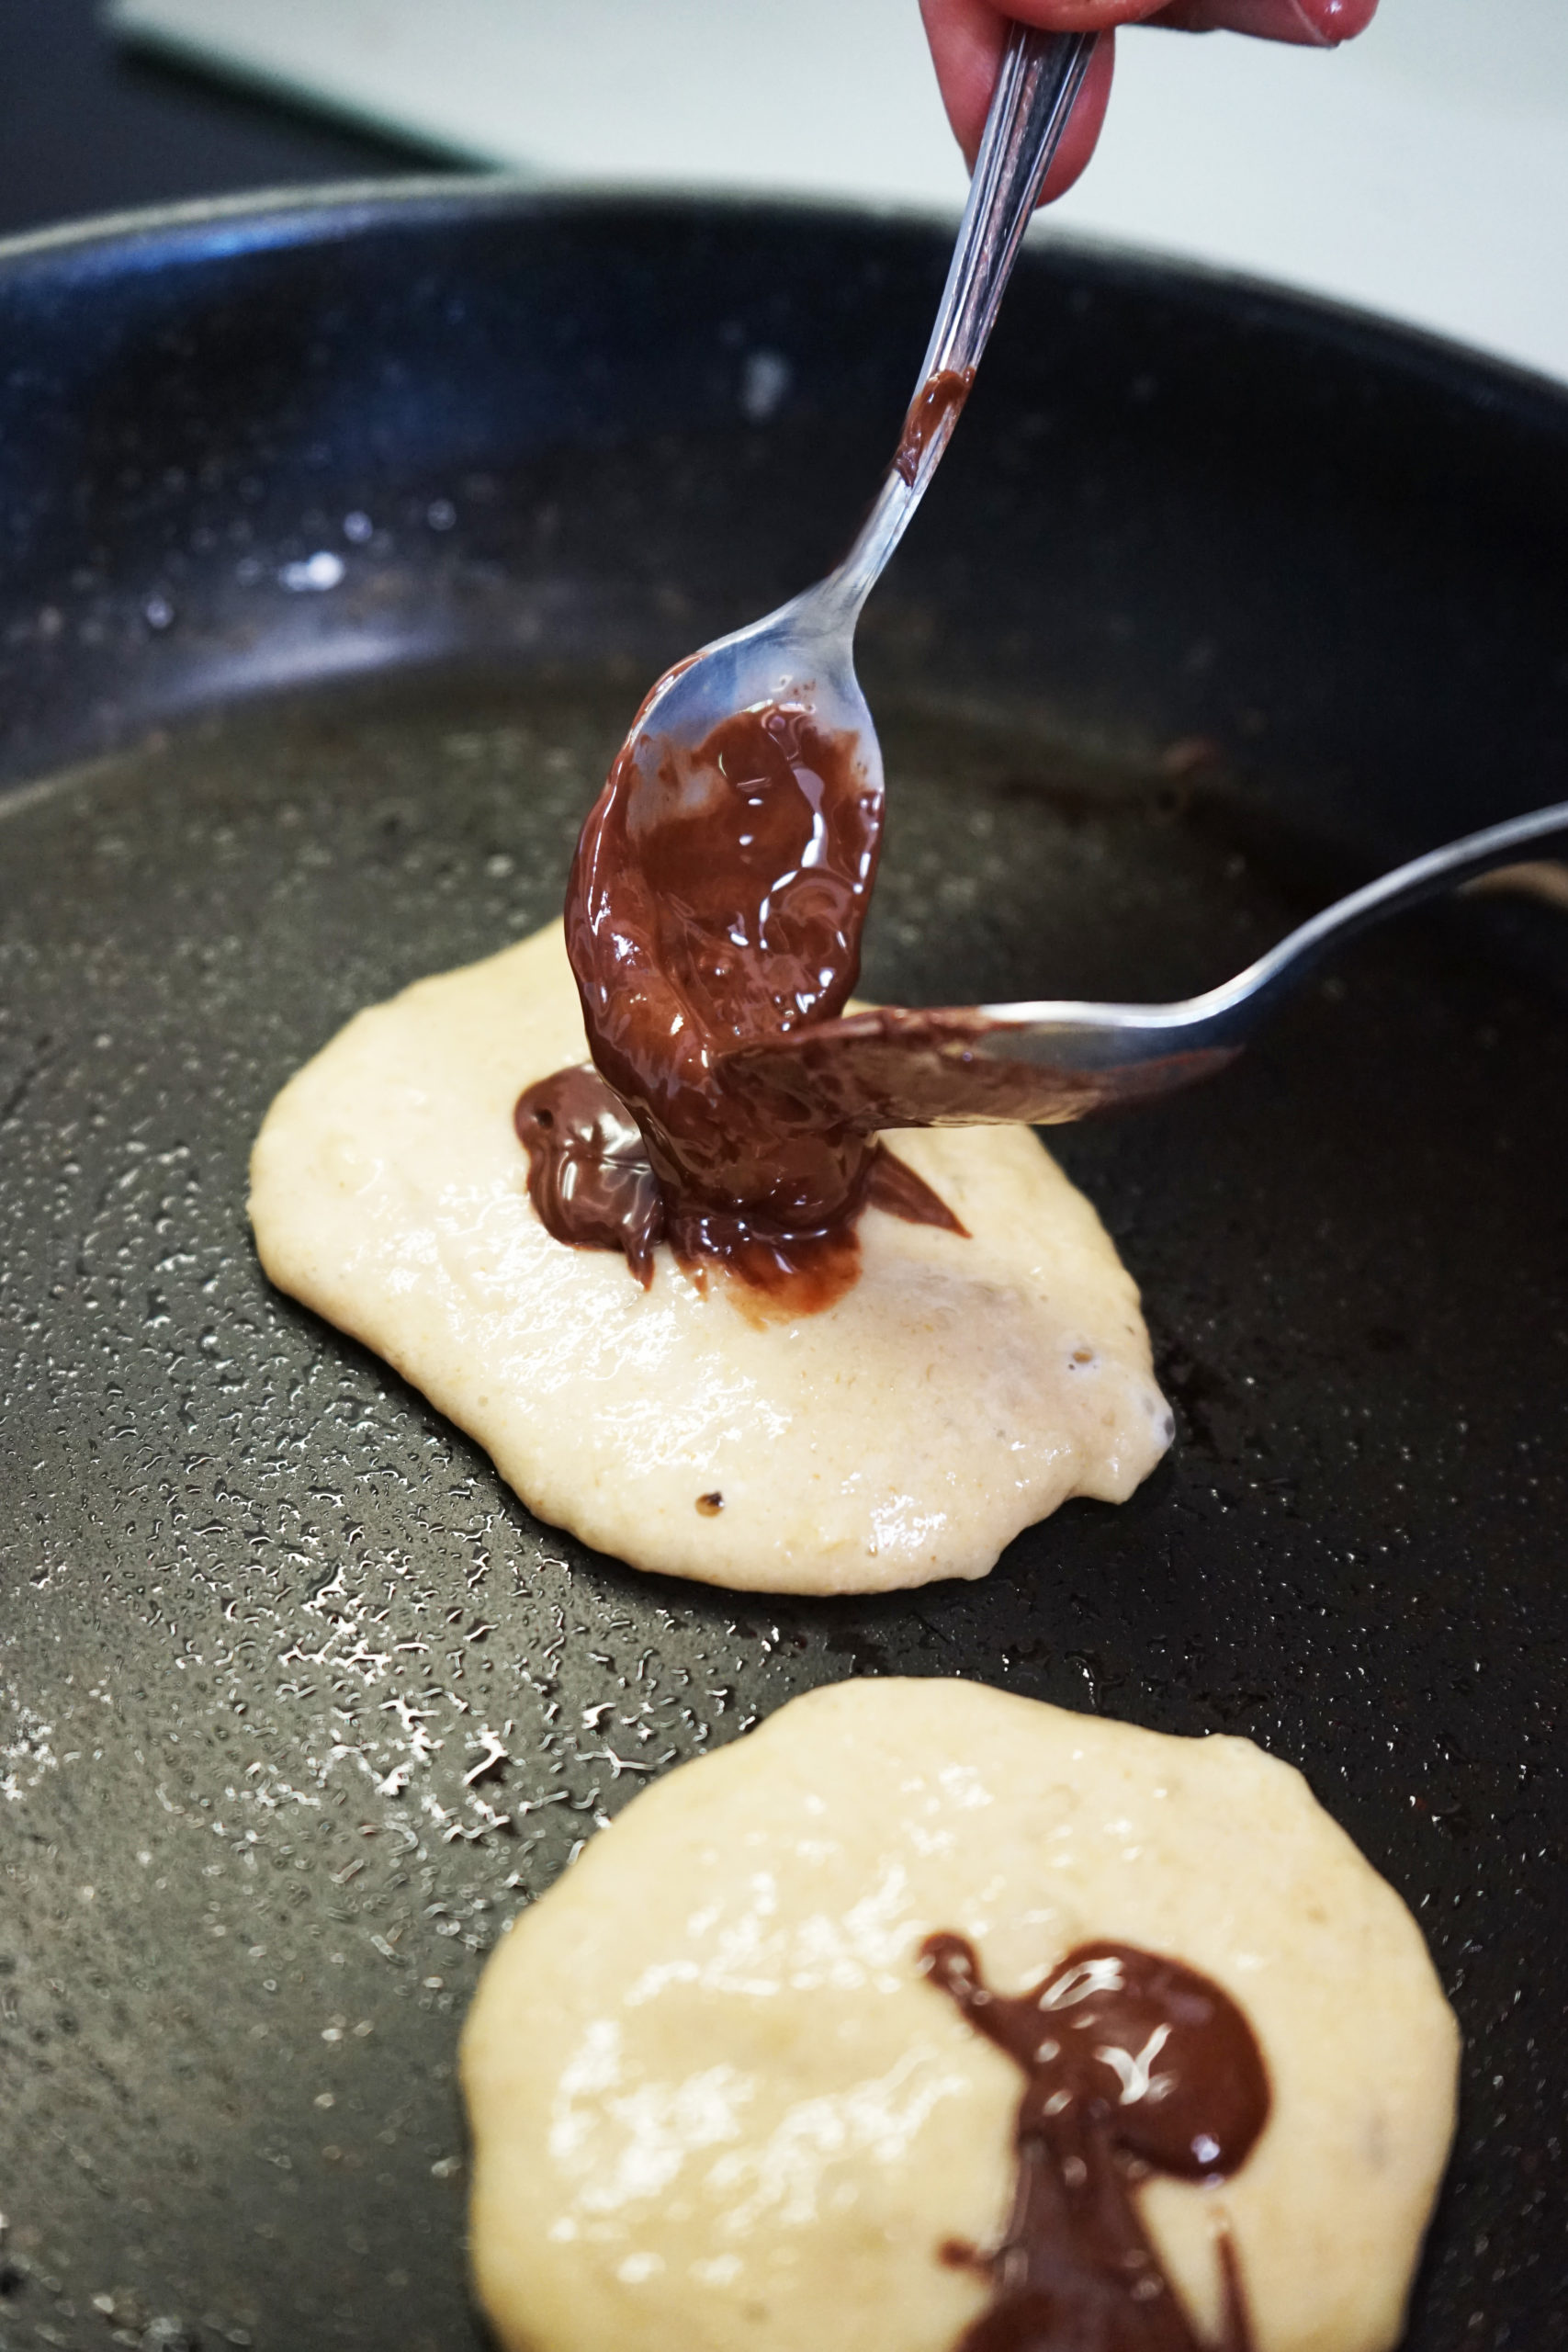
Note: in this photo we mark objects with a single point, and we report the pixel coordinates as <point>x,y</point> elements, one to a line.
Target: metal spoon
<point>1051,1062</point>
<point>1045,1063</point>
<point>804,653</point>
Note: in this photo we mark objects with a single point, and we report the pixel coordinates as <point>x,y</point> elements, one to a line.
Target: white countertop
<point>1421,170</point>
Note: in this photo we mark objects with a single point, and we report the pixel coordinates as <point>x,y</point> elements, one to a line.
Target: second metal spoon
<point>1051,1062</point>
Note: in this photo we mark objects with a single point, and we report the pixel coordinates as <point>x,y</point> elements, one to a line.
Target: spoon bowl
<point>802,656</point>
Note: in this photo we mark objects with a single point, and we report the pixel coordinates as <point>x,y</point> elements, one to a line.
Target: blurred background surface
<point>1422,171</point>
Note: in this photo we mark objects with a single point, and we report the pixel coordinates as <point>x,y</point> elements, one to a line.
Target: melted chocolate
<point>589,1175</point>
<point>1132,2064</point>
<point>932,412</point>
<point>717,898</point>
<point>716,902</point>
<point>592,1184</point>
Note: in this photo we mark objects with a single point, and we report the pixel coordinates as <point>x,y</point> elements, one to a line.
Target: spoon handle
<point>1040,75</point>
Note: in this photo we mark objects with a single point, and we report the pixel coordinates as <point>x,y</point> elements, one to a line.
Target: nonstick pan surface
<point>340,540</point>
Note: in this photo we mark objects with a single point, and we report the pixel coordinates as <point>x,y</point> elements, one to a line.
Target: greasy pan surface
<point>1220,598</point>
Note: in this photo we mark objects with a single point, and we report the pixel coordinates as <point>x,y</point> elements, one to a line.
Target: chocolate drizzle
<point>717,903</point>
<point>931,416</point>
<point>1132,2064</point>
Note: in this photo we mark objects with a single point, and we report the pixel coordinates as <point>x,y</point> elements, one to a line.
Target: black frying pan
<point>339,542</point>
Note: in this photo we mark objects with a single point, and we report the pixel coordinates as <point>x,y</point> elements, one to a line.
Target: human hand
<point>966,38</point>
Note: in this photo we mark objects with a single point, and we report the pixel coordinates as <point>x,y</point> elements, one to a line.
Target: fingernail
<point>1325,23</point>
<point>1311,24</point>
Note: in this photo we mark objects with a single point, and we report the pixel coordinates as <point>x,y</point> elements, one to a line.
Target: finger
<point>1082,133</point>
<point>1061,15</point>
<point>1315,23</point>
<point>1323,23</point>
<point>966,39</point>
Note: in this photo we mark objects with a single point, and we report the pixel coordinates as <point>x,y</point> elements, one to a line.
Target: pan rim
<point>80,250</point>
